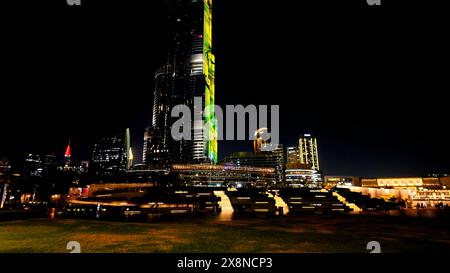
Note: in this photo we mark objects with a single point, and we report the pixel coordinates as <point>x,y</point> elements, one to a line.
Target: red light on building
<point>67,153</point>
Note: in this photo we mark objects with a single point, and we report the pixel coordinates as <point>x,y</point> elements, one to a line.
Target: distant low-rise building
<point>445,181</point>
<point>301,176</point>
<point>336,181</point>
<point>223,175</point>
<point>401,183</point>
<point>273,158</point>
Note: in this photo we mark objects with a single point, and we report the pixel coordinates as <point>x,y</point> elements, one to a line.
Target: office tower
<point>129,152</point>
<point>50,165</point>
<point>156,153</point>
<point>308,151</point>
<point>146,145</point>
<point>130,159</point>
<point>33,166</point>
<point>5,166</point>
<point>278,154</point>
<point>188,73</point>
<point>293,155</point>
<point>270,159</point>
<point>5,169</point>
<point>109,157</point>
<point>50,161</point>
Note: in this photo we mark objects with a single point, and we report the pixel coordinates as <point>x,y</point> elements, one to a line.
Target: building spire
<point>68,152</point>
<point>67,156</point>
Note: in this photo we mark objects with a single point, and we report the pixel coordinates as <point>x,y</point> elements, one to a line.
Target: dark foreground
<point>343,234</point>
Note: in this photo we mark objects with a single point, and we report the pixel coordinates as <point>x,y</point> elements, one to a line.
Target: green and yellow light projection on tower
<point>209,72</point>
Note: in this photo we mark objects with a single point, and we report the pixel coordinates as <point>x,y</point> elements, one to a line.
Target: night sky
<point>369,82</point>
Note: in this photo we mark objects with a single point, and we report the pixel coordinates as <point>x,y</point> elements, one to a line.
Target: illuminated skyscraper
<point>189,72</point>
<point>129,151</point>
<point>110,156</point>
<point>156,153</point>
<point>308,151</point>
<point>146,144</point>
<point>33,166</point>
<point>293,155</point>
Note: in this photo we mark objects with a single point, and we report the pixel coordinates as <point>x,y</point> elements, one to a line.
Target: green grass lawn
<point>295,235</point>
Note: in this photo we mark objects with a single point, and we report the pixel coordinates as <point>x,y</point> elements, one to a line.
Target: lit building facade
<point>223,175</point>
<point>109,157</point>
<point>445,182</point>
<point>308,151</point>
<point>402,183</point>
<point>267,159</point>
<point>5,166</point>
<point>292,155</point>
<point>33,166</point>
<point>299,176</point>
<point>156,152</point>
<point>145,151</point>
<point>128,150</point>
<point>50,162</point>
<point>421,192</point>
<point>342,181</point>
<point>68,166</point>
<point>5,169</point>
<point>84,166</point>
<point>68,157</point>
<point>189,72</point>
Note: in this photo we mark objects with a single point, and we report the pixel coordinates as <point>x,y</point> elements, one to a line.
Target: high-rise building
<point>300,173</point>
<point>273,158</point>
<point>128,150</point>
<point>189,72</point>
<point>5,169</point>
<point>5,166</point>
<point>146,145</point>
<point>130,159</point>
<point>292,155</point>
<point>156,152</point>
<point>308,151</point>
<point>33,166</point>
<point>109,158</point>
<point>50,165</point>
<point>50,161</point>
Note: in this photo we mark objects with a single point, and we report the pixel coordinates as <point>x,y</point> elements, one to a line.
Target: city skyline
<point>206,135</point>
<point>387,134</point>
